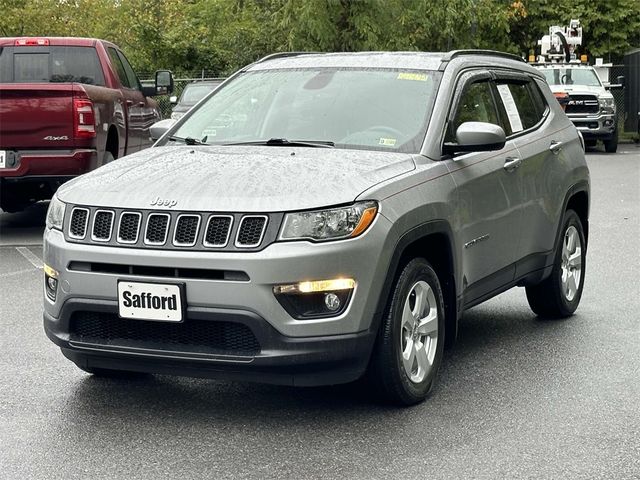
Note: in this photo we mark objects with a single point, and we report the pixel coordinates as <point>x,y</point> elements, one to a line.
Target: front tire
<point>409,347</point>
<point>559,295</point>
<point>611,145</point>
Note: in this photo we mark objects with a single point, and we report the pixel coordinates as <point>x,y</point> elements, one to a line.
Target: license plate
<point>150,301</point>
<point>3,159</point>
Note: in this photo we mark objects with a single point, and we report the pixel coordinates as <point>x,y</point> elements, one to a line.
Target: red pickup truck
<point>67,106</point>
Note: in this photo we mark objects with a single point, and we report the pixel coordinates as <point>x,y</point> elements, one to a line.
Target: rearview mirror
<point>477,137</point>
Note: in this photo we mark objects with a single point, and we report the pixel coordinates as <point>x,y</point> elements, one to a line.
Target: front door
<point>487,209</point>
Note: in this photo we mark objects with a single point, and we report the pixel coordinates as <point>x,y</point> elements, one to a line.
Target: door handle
<point>555,147</point>
<point>511,163</point>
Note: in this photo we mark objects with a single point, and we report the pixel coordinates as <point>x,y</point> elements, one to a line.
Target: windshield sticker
<point>387,142</point>
<point>419,77</point>
<point>510,107</point>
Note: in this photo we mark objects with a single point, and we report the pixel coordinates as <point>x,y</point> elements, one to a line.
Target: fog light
<point>50,282</point>
<point>315,299</point>
<point>332,301</point>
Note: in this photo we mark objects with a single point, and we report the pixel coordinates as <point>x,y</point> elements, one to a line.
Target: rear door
<point>529,124</point>
<point>488,209</point>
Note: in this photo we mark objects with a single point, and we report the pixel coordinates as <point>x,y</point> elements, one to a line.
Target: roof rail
<point>282,55</point>
<point>459,53</point>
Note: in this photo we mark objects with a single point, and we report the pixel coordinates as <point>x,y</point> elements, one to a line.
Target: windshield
<point>193,93</point>
<point>372,109</point>
<point>572,76</point>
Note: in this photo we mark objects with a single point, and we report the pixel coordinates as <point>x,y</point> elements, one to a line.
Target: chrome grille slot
<point>157,228</point>
<point>102,226</point>
<point>128,227</point>
<point>218,231</point>
<point>186,230</point>
<point>78,223</point>
<point>251,231</point>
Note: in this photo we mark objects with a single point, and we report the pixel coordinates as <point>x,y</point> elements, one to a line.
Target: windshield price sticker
<point>419,77</point>
<point>510,107</point>
<point>3,158</point>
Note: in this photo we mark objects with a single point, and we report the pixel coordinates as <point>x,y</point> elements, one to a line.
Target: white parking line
<point>29,255</point>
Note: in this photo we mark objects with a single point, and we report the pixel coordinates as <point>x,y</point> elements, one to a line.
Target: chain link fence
<point>618,94</point>
<point>180,81</point>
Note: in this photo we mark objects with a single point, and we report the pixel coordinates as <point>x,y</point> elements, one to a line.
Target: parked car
<point>69,105</point>
<point>193,92</point>
<point>589,105</point>
<point>321,217</point>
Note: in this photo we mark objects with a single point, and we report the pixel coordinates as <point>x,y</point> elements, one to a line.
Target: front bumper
<point>281,360</point>
<point>310,352</point>
<point>597,126</point>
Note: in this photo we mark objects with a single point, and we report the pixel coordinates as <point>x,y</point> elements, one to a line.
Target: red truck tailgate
<point>36,115</point>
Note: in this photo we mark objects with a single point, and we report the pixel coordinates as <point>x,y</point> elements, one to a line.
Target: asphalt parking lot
<point>517,397</point>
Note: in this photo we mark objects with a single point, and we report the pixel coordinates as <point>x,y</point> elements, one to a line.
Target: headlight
<point>607,103</point>
<point>55,214</point>
<point>331,224</point>
<point>176,115</point>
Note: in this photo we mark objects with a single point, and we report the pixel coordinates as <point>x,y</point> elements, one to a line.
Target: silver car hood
<point>235,178</point>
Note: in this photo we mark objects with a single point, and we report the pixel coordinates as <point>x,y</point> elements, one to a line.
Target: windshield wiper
<point>283,142</point>
<point>187,140</point>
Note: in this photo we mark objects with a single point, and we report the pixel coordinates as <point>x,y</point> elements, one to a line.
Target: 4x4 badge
<point>163,202</point>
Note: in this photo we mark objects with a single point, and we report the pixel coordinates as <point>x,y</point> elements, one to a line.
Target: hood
<point>235,178</point>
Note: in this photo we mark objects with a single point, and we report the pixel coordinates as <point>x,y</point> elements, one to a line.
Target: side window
<point>523,108</point>
<point>131,76</point>
<point>476,105</point>
<point>119,68</point>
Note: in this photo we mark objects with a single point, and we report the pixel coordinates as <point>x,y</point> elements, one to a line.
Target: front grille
<point>78,223</point>
<point>157,224</point>
<point>218,230</point>
<point>169,230</point>
<point>186,230</point>
<point>102,225</point>
<point>128,229</point>
<point>190,336</point>
<point>251,231</point>
<point>582,104</point>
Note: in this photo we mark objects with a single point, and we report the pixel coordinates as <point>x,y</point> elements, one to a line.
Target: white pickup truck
<point>590,106</point>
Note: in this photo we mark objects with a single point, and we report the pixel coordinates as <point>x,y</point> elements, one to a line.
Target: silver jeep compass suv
<point>320,217</point>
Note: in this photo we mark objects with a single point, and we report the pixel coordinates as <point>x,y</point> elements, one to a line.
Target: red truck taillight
<point>84,118</point>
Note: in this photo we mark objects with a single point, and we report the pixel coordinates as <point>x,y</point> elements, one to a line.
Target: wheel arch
<point>579,203</point>
<point>434,242</point>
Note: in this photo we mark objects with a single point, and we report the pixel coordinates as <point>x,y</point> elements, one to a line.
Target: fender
<point>449,286</point>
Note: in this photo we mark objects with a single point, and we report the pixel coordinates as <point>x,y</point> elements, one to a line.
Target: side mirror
<point>620,80</point>
<point>163,84</point>
<point>160,128</point>
<point>477,137</point>
<point>173,100</point>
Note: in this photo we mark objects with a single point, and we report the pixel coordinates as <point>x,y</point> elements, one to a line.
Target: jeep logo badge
<point>159,202</point>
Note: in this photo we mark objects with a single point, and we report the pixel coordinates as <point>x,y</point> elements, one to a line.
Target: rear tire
<point>611,145</point>
<point>409,347</point>
<point>559,295</point>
